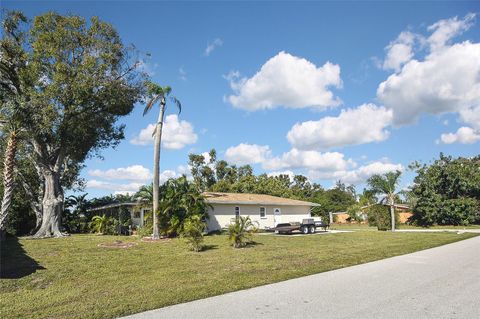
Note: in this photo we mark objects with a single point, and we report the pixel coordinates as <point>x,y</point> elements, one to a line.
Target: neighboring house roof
<point>253,199</point>
<point>114,205</point>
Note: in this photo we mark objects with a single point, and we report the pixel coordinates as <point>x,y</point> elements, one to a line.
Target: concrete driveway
<point>442,282</point>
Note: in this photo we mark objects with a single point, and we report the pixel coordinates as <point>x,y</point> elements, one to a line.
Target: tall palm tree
<point>158,94</point>
<point>11,63</point>
<point>386,185</point>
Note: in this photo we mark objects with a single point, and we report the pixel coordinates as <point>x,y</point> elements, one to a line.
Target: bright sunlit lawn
<point>73,278</point>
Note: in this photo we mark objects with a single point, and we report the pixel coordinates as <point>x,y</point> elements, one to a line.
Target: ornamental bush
<point>379,215</point>
<point>192,232</point>
<point>240,232</point>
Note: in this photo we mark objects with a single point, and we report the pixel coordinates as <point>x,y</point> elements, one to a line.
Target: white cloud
<point>212,46</point>
<point>365,124</point>
<point>471,116</point>
<point>444,30</point>
<point>131,173</point>
<point>116,188</point>
<point>464,135</point>
<point>399,51</point>
<point>359,175</point>
<point>446,81</point>
<point>146,67</point>
<point>182,74</point>
<point>289,173</point>
<point>247,154</point>
<point>288,81</point>
<point>176,134</point>
<point>297,159</point>
<point>123,188</point>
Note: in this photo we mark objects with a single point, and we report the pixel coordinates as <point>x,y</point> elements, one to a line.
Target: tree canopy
<point>447,192</point>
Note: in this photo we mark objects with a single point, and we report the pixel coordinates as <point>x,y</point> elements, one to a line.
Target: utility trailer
<point>307,226</point>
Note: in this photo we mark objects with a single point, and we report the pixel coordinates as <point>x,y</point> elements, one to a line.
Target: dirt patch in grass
<point>160,240</point>
<point>117,244</point>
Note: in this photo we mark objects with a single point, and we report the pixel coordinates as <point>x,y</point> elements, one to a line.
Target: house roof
<point>114,205</point>
<point>253,199</point>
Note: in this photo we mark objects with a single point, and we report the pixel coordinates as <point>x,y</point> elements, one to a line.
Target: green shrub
<point>192,232</point>
<point>379,216</point>
<point>240,233</point>
<point>101,224</point>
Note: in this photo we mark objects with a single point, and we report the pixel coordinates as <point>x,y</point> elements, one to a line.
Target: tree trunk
<point>52,205</point>
<point>8,178</point>
<point>156,170</point>
<point>392,215</point>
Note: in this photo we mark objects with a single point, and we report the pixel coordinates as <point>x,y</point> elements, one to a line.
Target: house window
<point>237,211</point>
<point>263,212</point>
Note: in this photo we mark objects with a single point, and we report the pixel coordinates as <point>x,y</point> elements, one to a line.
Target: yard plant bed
<point>74,278</point>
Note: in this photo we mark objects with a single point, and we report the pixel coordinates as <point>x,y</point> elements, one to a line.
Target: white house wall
<point>222,214</point>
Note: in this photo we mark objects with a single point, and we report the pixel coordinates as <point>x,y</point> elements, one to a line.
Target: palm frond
<point>177,103</point>
<point>151,103</point>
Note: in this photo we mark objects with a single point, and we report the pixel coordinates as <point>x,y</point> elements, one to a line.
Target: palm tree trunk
<point>156,170</point>
<point>392,214</point>
<point>8,179</point>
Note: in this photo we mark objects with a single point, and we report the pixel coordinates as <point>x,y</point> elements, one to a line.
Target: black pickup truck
<point>307,226</point>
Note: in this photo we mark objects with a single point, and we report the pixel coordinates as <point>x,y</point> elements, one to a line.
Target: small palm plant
<point>192,232</point>
<point>100,224</point>
<point>240,233</point>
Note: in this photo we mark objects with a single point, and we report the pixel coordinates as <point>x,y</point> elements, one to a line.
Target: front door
<point>277,216</point>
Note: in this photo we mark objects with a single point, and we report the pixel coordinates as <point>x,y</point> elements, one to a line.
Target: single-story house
<point>223,208</point>
<point>266,210</point>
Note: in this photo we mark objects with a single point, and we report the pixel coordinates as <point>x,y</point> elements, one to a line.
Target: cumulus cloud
<point>212,46</point>
<point>131,173</point>
<point>365,124</point>
<point>444,30</point>
<point>298,159</point>
<point>175,135</point>
<point>289,173</point>
<point>288,81</point>
<point>247,154</point>
<point>464,135</point>
<point>471,116</point>
<point>114,187</point>
<point>399,51</point>
<point>358,175</point>
<point>445,81</point>
<point>126,174</point>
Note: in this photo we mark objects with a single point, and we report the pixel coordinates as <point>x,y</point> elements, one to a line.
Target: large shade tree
<point>84,79</point>
<point>386,185</point>
<point>160,95</point>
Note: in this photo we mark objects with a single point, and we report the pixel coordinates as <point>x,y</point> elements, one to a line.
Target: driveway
<point>442,282</point>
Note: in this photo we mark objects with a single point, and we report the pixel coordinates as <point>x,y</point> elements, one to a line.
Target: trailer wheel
<point>312,229</point>
<point>304,229</point>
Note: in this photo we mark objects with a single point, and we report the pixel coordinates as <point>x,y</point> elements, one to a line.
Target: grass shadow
<point>209,247</point>
<point>14,261</point>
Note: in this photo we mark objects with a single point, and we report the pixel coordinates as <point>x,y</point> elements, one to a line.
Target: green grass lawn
<point>76,279</point>
<point>354,226</point>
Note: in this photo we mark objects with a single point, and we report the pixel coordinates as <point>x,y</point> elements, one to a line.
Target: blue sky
<point>332,90</point>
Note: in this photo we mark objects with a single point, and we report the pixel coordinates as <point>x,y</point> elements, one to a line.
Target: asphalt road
<point>442,282</point>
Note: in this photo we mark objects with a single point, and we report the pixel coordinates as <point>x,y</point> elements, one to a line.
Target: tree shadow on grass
<point>14,261</point>
<point>209,247</point>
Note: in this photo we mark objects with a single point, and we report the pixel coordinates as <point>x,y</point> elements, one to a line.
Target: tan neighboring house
<point>266,210</point>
